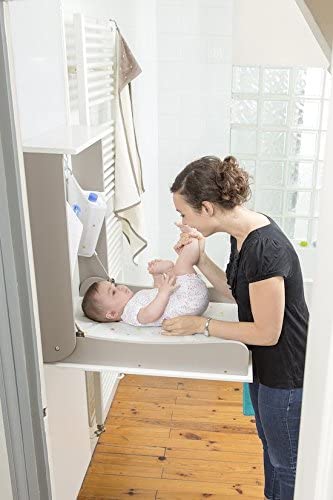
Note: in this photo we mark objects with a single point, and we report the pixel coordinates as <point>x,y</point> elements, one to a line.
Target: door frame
<point>315,461</point>
<point>20,382</point>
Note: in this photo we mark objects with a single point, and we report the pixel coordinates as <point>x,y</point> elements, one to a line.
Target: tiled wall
<point>194,41</point>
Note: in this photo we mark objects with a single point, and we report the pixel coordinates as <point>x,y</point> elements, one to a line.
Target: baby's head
<point>105,301</point>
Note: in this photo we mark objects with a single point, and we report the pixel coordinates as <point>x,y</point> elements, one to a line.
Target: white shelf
<point>67,139</point>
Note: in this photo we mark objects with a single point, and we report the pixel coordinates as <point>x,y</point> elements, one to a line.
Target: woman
<point>264,278</point>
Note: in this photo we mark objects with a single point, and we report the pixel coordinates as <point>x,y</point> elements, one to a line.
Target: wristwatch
<point>206,330</point>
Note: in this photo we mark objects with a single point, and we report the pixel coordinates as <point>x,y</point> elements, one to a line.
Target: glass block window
<point>279,120</point>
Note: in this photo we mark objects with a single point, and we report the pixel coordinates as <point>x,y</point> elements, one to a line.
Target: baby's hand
<point>184,240</point>
<point>152,266</point>
<point>168,284</point>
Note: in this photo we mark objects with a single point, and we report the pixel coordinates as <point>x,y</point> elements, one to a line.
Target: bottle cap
<point>77,209</point>
<point>92,197</point>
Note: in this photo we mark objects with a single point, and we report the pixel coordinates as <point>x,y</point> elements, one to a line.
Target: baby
<point>177,291</point>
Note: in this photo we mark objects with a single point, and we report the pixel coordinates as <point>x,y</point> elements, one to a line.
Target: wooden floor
<point>176,439</point>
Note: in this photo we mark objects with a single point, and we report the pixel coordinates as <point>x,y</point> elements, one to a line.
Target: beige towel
<point>128,171</point>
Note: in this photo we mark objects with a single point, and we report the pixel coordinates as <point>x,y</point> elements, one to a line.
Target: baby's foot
<point>159,266</point>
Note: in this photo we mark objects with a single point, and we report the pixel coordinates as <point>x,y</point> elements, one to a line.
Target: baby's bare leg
<point>187,258</point>
<point>159,267</point>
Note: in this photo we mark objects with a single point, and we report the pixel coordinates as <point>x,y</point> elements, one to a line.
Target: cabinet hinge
<point>100,430</point>
<point>79,332</point>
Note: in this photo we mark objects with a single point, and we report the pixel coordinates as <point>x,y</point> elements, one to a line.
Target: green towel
<point>247,404</point>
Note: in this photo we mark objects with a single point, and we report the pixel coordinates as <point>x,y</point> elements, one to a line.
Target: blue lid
<point>92,197</point>
<point>76,209</point>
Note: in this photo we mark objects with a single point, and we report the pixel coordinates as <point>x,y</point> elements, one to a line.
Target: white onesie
<point>191,298</point>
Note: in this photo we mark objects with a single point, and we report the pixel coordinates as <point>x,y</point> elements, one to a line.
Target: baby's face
<point>113,298</point>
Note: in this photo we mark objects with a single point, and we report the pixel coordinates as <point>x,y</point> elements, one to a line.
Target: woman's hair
<point>211,179</point>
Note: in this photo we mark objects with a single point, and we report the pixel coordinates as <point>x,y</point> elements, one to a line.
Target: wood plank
<point>237,405</point>
<point>209,385</point>
<point>147,381</point>
<point>119,494</point>
<point>201,470</point>
<point>153,394</point>
<point>125,470</point>
<point>173,495</point>
<point>151,451</point>
<point>100,484</point>
<point>142,405</point>
<point>165,411</point>
<point>223,394</point>
<point>142,409</point>
<point>216,456</point>
<point>231,424</point>
<point>213,441</point>
<point>133,436</point>
<point>180,410</point>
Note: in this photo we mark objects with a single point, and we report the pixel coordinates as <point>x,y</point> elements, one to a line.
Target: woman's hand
<point>184,325</point>
<point>187,234</point>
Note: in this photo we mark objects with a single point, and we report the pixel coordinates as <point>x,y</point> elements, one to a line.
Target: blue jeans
<point>278,413</point>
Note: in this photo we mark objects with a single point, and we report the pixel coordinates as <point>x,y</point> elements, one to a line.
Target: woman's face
<point>203,221</point>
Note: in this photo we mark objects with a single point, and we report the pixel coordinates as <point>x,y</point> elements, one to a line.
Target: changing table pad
<point>120,331</point>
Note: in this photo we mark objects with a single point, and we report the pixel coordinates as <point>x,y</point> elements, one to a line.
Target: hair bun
<point>231,160</point>
<point>232,181</point>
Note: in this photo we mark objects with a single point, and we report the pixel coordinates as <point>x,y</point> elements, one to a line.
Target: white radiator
<point>90,47</point>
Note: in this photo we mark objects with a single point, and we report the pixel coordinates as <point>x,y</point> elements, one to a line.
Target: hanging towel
<point>128,170</point>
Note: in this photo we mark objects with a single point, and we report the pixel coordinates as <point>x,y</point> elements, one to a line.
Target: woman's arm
<point>216,277</point>
<point>267,304</point>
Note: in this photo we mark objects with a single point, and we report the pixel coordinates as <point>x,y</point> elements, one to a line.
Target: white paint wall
<point>194,90</point>
<point>39,69</point>
<point>181,99</point>
<point>137,22</point>
<point>275,33</point>
<point>315,462</point>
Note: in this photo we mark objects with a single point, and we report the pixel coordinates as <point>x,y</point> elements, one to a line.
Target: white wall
<point>194,89</point>
<point>315,462</point>
<point>39,69</point>
<point>137,22</point>
<point>274,33</point>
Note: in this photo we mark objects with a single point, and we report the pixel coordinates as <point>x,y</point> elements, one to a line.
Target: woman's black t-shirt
<point>267,252</point>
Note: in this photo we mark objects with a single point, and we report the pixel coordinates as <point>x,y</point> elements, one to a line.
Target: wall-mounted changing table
<point>124,349</point>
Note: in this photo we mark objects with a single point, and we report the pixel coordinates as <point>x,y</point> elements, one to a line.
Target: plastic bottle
<point>92,216</point>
